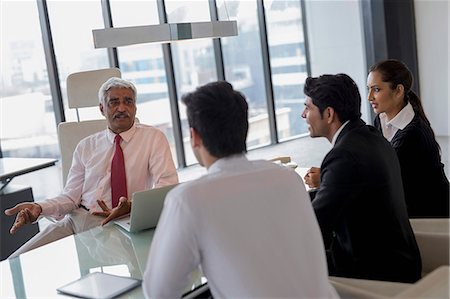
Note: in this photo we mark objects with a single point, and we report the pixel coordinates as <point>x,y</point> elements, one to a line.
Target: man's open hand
<point>27,212</point>
<point>123,208</point>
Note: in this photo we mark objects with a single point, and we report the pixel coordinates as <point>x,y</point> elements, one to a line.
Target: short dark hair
<point>220,116</point>
<point>337,91</point>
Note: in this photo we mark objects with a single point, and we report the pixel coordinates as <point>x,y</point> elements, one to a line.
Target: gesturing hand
<point>27,212</point>
<point>123,208</point>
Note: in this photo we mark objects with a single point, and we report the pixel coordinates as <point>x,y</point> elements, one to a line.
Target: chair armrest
<point>434,285</point>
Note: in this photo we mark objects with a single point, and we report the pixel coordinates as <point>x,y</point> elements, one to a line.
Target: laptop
<point>145,210</point>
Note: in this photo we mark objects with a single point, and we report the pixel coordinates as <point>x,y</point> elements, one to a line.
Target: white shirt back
<point>251,227</point>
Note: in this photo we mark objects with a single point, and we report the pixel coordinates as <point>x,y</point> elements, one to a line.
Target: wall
<point>432,29</point>
<point>336,42</point>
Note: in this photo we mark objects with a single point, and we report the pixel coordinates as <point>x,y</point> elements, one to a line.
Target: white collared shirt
<point>335,136</point>
<point>251,227</point>
<point>148,164</point>
<point>399,122</point>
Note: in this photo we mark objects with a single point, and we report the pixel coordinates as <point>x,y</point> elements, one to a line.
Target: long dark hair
<point>396,72</point>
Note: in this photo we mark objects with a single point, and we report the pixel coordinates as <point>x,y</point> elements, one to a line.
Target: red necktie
<point>118,177</point>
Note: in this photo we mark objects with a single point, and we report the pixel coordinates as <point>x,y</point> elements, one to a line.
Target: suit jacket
<point>361,209</point>
<point>424,182</point>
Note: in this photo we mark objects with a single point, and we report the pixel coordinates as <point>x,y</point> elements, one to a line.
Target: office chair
<point>433,238</point>
<point>82,91</point>
<point>433,285</point>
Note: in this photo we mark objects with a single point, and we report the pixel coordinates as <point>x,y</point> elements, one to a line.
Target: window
<point>288,64</point>
<point>143,64</point>
<point>27,127</point>
<point>243,66</point>
<point>71,25</point>
<point>25,73</point>
<point>193,61</point>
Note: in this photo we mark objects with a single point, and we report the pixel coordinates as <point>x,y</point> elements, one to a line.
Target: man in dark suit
<point>360,203</point>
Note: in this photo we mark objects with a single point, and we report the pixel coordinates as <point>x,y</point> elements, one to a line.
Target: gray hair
<point>114,82</point>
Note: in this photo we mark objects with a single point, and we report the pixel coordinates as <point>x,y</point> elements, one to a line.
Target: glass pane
<point>194,62</point>
<point>288,64</point>
<point>143,64</point>
<point>72,23</point>
<point>27,127</point>
<point>243,66</point>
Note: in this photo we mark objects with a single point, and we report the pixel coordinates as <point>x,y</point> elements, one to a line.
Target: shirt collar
<point>227,162</point>
<point>126,136</point>
<point>401,120</point>
<point>335,136</point>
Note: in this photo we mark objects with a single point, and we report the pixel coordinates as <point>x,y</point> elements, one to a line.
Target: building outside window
<point>24,73</point>
<point>71,24</point>
<point>243,66</point>
<point>286,43</point>
<point>143,64</point>
<point>27,125</point>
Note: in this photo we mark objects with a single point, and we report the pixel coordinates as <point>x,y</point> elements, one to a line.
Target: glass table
<point>108,249</point>
<point>12,167</point>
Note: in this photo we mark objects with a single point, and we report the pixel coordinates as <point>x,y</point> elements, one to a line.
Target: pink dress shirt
<point>148,164</point>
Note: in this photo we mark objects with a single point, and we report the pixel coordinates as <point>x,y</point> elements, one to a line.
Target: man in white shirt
<point>249,225</point>
<point>86,199</point>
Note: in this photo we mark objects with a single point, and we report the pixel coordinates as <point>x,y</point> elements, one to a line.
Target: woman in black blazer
<point>401,119</point>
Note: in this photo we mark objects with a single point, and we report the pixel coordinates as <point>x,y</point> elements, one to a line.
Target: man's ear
<point>196,140</point>
<point>101,109</point>
<point>330,114</point>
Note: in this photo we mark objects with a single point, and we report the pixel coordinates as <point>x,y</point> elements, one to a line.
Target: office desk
<point>10,195</point>
<point>108,249</point>
<point>12,167</point>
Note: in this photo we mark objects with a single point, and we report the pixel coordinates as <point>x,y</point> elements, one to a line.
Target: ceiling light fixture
<point>162,33</point>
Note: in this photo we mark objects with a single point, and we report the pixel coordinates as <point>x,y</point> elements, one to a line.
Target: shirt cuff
<point>47,208</point>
